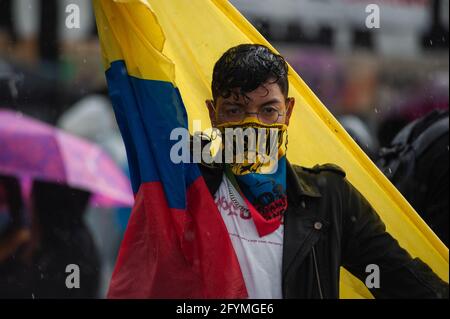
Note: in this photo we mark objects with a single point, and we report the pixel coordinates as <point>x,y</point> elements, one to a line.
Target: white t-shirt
<point>260,258</point>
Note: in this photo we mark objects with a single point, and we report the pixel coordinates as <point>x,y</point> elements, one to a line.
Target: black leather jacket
<point>329,224</point>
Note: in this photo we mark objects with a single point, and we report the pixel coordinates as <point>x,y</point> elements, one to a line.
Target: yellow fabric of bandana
<point>253,146</point>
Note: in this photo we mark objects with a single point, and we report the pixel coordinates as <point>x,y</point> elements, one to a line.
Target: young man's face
<point>266,103</point>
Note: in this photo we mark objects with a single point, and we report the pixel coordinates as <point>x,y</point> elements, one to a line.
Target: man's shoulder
<point>320,180</point>
<point>320,169</point>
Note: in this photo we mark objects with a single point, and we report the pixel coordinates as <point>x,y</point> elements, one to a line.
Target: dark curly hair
<point>246,67</point>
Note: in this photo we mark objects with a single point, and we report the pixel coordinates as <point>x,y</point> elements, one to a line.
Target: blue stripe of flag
<point>146,112</point>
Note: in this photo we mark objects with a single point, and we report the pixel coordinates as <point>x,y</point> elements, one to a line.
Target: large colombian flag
<point>158,56</point>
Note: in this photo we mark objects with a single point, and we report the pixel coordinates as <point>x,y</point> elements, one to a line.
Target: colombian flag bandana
<point>265,196</point>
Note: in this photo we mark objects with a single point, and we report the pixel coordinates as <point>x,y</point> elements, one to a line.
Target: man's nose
<point>249,115</point>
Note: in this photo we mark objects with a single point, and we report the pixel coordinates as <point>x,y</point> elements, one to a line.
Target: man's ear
<point>289,108</point>
<point>211,111</point>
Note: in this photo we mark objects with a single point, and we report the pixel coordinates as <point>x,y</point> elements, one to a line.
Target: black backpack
<point>398,161</point>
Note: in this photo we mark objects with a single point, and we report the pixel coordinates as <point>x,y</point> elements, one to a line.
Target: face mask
<point>253,147</point>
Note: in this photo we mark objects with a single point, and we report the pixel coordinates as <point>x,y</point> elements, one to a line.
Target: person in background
<point>417,162</point>
<point>60,238</point>
<point>14,236</point>
<point>431,199</point>
<point>360,132</point>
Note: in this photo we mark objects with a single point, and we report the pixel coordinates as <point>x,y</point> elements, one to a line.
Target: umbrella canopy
<point>30,149</point>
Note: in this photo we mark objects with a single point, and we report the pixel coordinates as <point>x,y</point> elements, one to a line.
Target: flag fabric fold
<point>158,58</point>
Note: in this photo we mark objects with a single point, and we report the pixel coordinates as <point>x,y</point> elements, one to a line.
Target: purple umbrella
<point>30,149</point>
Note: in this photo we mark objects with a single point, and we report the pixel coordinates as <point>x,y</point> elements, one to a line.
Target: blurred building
<point>386,76</point>
<point>54,65</point>
<point>407,27</point>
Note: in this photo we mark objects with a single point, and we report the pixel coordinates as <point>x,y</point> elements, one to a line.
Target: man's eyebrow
<point>271,101</point>
<point>233,103</point>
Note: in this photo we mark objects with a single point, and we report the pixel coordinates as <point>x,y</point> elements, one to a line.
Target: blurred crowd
<point>55,75</point>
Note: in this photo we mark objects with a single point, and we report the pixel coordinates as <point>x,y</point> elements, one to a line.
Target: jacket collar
<point>300,184</point>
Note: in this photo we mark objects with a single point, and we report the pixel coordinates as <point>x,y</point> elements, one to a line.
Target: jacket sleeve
<point>366,242</point>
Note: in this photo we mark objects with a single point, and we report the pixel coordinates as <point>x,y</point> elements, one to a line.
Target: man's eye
<point>233,111</point>
<point>268,110</point>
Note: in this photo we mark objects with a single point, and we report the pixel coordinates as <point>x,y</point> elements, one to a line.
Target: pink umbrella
<point>30,149</point>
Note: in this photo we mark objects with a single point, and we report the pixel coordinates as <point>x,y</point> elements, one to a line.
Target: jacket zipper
<point>317,272</point>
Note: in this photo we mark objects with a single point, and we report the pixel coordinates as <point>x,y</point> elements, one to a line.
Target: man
<point>292,227</point>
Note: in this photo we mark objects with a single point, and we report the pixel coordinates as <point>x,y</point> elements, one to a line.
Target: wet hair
<point>245,67</point>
